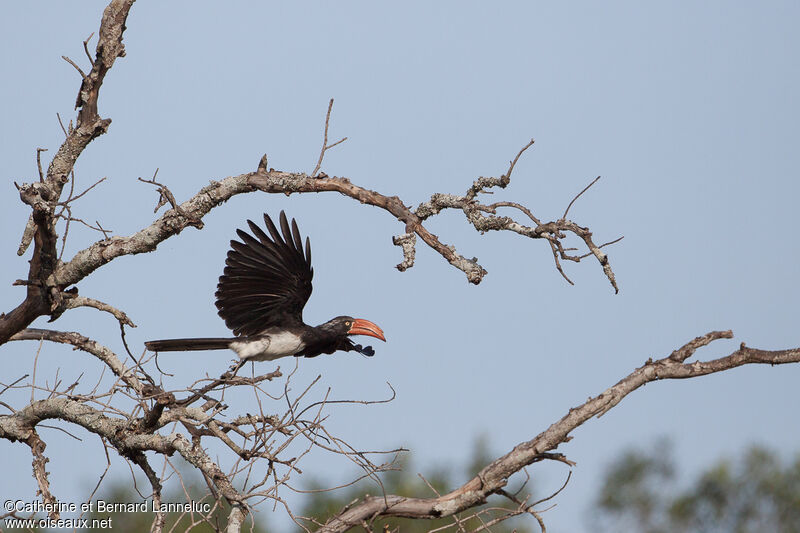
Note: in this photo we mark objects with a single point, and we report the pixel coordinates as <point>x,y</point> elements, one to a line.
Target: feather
<point>267,277</point>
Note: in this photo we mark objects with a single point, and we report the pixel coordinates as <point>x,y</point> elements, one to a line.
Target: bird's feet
<point>235,367</point>
<point>367,351</point>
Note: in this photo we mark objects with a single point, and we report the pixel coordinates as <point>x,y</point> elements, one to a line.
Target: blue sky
<point>688,110</point>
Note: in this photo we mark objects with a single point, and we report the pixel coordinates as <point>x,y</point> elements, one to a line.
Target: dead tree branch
<point>43,291</point>
<point>120,433</point>
<point>37,446</point>
<point>279,440</point>
<point>325,145</point>
<point>133,432</point>
<point>80,342</point>
<point>82,301</point>
<point>494,477</point>
<point>49,279</point>
<point>218,192</point>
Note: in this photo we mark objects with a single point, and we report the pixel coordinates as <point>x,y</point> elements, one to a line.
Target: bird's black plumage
<point>267,279</point>
<point>260,296</point>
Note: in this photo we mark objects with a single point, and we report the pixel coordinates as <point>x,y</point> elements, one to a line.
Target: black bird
<point>261,295</point>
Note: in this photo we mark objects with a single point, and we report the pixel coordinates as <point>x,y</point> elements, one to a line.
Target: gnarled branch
<point>494,477</point>
<point>48,277</point>
<point>43,293</point>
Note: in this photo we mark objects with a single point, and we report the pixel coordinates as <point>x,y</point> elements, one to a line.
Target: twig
<point>556,493</point>
<point>74,302</point>
<point>161,517</point>
<point>165,195</point>
<point>325,145</point>
<point>60,123</point>
<point>516,206</point>
<point>362,402</point>
<point>555,246</point>
<point>564,216</point>
<point>494,476</point>
<point>71,62</point>
<point>456,520</point>
<point>84,343</point>
<point>609,243</point>
<point>6,387</point>
<point>102,476</point>
<point>71,198</point>
<point>39,163</point>
<point>514,161</point>
<point>35,365</point>
<point>102,230</point>
<point>62,430</point>
<point>86,48</point>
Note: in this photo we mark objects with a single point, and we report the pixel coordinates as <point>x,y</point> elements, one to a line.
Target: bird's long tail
<point>185,345</point>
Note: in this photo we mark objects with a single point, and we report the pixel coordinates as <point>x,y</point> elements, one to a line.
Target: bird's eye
<point>347,323</point>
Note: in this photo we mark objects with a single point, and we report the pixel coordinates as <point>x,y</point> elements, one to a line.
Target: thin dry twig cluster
<point>137,413</point>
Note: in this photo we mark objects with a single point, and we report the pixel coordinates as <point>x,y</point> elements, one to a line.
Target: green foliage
<point>755,494</point>
<point>633,486</point>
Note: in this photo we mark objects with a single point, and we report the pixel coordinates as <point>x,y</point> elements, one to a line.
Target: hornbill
<point>261,295</point>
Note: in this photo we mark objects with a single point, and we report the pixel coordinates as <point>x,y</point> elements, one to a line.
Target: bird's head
<point>347,325</point>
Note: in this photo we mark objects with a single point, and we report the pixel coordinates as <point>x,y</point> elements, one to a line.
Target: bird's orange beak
<point>365,327</point>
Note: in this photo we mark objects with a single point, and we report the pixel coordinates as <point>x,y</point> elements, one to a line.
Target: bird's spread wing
<point>267,279</point>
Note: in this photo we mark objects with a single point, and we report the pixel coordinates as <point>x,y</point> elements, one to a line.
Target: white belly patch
<point>268,347</point>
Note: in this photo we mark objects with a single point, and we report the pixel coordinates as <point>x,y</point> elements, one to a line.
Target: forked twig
<point>325,145</point>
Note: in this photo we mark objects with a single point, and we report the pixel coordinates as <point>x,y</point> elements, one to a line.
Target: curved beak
<point>365,327</point>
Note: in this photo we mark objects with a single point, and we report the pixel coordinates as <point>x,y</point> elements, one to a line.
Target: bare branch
<point>687,350</point>
<point>165,196</point>
<point>39,162</point>
<point>325,145</point>
<point>82,301</point>
<point>60,123</point>
<point>86,48</point>
<point>229,378</point>
<point>37,446</point>
<point>191,212</point>
<point>43,196</point>
<point>142,426</point>
<point>495,476</point>
<point>161,517</point>
<point>514,161</point>
<point>491,209</point>
<point>27,236</point>
<point>92,186</point>
<point>71,62</point>
<point>407,242</point>
<point>555,246</point>
<point>552,231</point>
<point>87,345</point>
<point>119,433</point>
<point>564,216</point>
